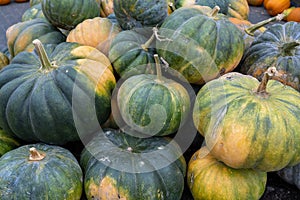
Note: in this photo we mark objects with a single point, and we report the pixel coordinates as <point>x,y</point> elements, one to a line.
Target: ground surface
<point>276,188</point>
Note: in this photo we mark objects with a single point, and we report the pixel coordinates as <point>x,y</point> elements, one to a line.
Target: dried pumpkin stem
<point>46,64</point>
<point>287,49</point>
<point>35,155</point>
<point>158,68</point>
<point>215,11</point>
<point>148,43</point>
<point>271,73</point>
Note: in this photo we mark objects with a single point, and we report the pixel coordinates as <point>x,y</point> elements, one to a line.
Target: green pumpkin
<point>233,8</point>
<point>291,175</point>
<point>140,13</point>
<point>33,12</point>
<point>210,179</point>
<point>7,142</point>
<point>50,97</point>
<point>152,104</point>
<point>20,35</point>
<point>119,166</point>
<point>278,46</point>
<point>196,43</point>
<point>40,171</point>
<point>68,13</point>
<point>131,52</point>
<point>248,124</point>
<point>34,2</point>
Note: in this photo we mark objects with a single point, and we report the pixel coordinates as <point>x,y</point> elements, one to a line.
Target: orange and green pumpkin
<point>40,171</point>
<point>210,179</point>
<point>250,124</point>
<point>278,46</point>
<point>7,142</point>
<point>119,166</point>
<point>195,42</point>
<point>42,95</point>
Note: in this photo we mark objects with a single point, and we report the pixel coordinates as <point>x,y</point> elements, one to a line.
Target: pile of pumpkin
<point>128,84</point>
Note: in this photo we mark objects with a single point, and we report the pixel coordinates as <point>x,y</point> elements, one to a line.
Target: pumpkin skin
<point>255,2</point>
<point>67,14</point>
<point>199,52</point>
<point>20,35</point>
<point>294,15</point>
<point>233,8</point>
<point>97,32</point>
<point>57,176</point>
<point>7,142</point>
<point>278,46</point>
<point>291,175</point>
<point>34,2</point>
<point>4,2</point>
<point>140,13</point>
<point>33,12</point>
<point>48,113</point>
<point>210,179</point>
<point>246,129</point>
<point>135,171</point>
<point>106,7</point>
<point>275,7</point>
<point>4,60</point>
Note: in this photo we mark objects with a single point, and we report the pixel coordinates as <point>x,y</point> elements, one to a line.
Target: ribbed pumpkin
<point>20,35</point>
<point>233,8</point>
<point>248,124</point>
<point>291,175</point>
<point>118,166</point>
<point>152,104</point>
<point>140,13</point>
<point>275,7</point>
<point>294,15</point>
<point>278,46</point>
<point>33,12</point>
<point>131,52</point>
<point>41,96</point>
<point>4,60</point>
<point>68,13</point>
<point>40,171</point>
<point>194,43</point>
<point>7,142</point>
<point>210,179</point>
<point>106,7</point>
<point>97,32</point>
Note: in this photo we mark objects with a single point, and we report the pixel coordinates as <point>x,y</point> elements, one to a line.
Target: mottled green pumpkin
<point>34,2</point>
<point>248,124</point>
<point>200,43</point>
<point>68,13</point>
<point>140,13</point>
<point>42,95</point>
<point>119,166</point>
<point>291,175</point>
<point>33,12</point>
<point>278,46</point>
<point>7,142</point>
<point>20,35</point>
<point>210,179</point>
<point>40,171</point>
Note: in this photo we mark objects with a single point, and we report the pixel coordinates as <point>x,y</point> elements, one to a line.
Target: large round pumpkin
<point>193,42</point>
<point>248,124</point>
<point>7,142</point>
<point>40,171</point>
<point>291,175</point>
<point>278,46</point>
<point>118,166</point>
<point>210,179</point>
<point>41,96</point>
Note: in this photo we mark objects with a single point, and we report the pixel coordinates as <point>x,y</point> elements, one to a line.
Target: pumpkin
<point>199,52</point>
<point>4,60</point>
<point>97,32</point>
<point>233,8</point>
<point>7,142</point>
<point>210,179</point>
<point>294,15</point>
<point>34,2</point>
<point>152,104</point>
<point>4,2</point>
<point>250,124</point>
<point>275,7</point>
<point>33,12</point>
<point>140,13</point>
<point>40,171</point>
<point>68,13</point>
<point>255,2</point>
<point>20,35</point>
<point>131,52</point>
<point>53,96</point>
<point>106,7</point>
<point>20,1</point>
<point>278,46</point>
<point>291,175</point>
<point>119,166</point>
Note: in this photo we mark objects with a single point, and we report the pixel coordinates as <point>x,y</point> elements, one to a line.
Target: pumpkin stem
<point>287,49</point>
<point>271,73</point>
<point>46,64</point>
<point>171,7</point>
<point>35,155</point>
<point>148,43</point>
<point>214,11</point>
<point>250,30</point>
<point>158,68</point>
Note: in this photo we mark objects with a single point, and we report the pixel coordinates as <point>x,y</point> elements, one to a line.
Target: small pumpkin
<point>294,15</point>
<point>255,2</point>
<point>40,171</point>
<point>4,2</point>
<point>33,12</point>
<point>55,92</point>
<point>210,179</point>
<point>97,32</point>
<point>275,7</point>
<point>7,142</point>
<point>291,175</point>
<point>119,166</point>
<point>250,124</point>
